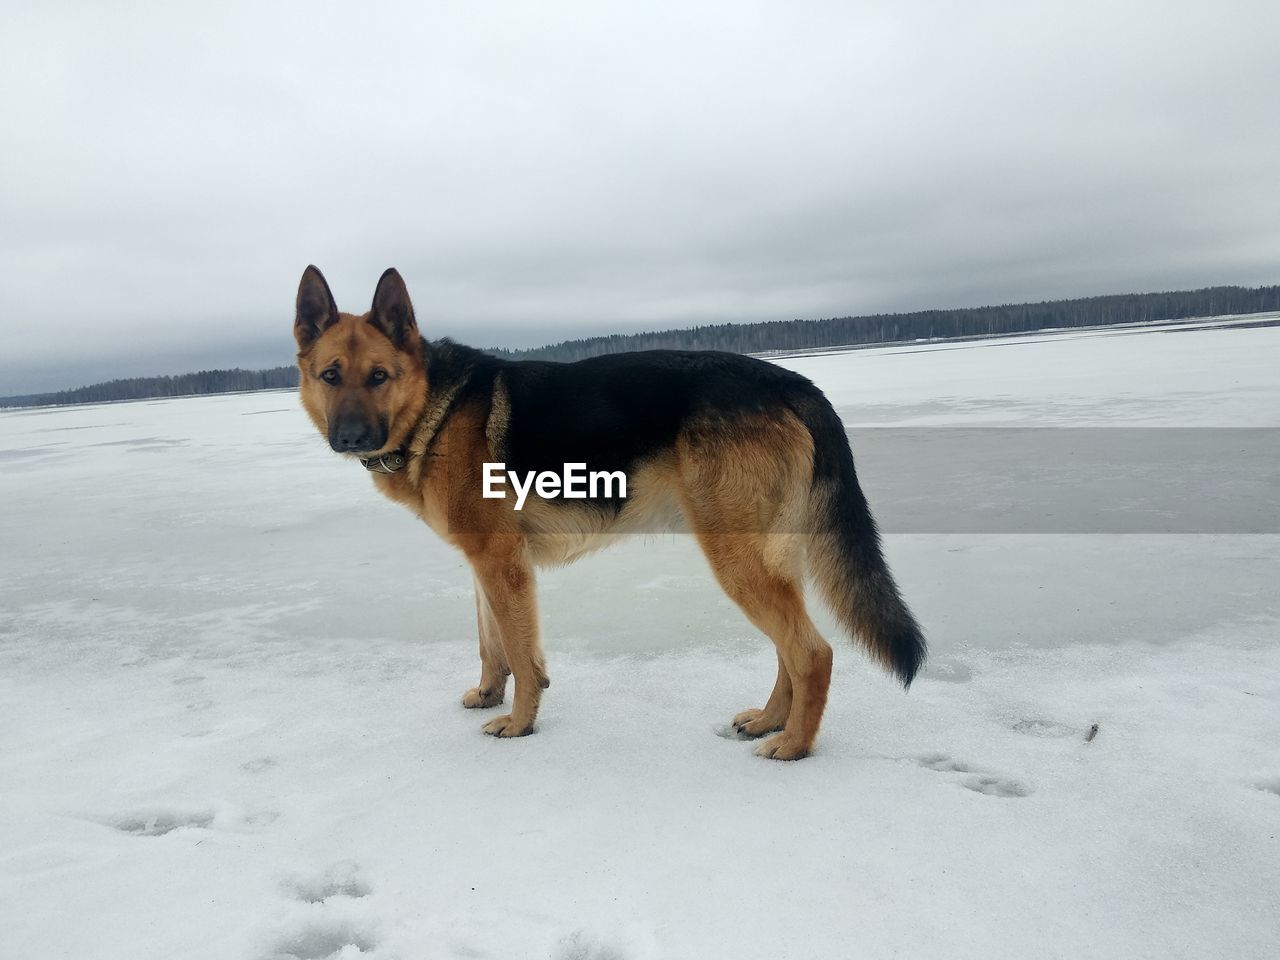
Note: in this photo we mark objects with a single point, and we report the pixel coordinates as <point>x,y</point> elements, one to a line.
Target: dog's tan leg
<point>745,489</point>
<point>493,663</point>
<point>808,661</point>
<point>505,575</point>
<point>773,716</point>
<point>774,602</point>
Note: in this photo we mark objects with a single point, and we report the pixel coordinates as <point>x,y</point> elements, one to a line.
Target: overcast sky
<point>545,170</point>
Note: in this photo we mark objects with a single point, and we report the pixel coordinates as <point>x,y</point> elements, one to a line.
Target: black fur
<point>316,309</point>
<point>613,412</point>
<point>866,598</point>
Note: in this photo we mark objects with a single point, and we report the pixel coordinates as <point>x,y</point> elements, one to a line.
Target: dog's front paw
<point>507,727</point>
<point>479,697</point>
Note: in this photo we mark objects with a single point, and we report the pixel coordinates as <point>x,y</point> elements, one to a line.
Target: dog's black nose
<point>352,436</point>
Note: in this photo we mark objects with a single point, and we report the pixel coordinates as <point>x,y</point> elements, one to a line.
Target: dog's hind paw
<point>782,747</point>
<point>507,727</point>
<point>756,723</point>
<point>477,697</point>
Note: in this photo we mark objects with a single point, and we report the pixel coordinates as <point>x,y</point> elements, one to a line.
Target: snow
<point>230,726</point>
<point>1158,377</point>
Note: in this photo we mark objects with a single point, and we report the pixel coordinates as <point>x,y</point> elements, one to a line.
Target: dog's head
<point>362,379</point>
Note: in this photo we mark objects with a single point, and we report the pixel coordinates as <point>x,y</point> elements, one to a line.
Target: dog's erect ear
<point>392,311</point>
<point>316,309</point>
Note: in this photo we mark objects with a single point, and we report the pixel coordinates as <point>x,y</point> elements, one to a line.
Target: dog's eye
<point>330,375</point>
<point>377,377</point>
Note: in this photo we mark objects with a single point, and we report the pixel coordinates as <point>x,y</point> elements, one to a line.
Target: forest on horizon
<point>760,337</point>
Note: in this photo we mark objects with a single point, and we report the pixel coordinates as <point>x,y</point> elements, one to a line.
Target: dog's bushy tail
<point>845,558</point>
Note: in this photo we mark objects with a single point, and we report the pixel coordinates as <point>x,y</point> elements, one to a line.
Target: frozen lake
<point>230,673</point>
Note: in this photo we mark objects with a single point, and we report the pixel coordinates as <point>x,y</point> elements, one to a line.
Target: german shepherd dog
<point>748,456</point>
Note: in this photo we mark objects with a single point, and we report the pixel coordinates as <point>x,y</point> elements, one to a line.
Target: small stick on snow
<point>1093,732</point>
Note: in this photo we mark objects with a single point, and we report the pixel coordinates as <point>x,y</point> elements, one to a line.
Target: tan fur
<point>745,503</point>
<point>359,347</point>
<point>742,488</point>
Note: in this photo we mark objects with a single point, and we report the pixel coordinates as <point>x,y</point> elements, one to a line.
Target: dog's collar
<point>392,462</point>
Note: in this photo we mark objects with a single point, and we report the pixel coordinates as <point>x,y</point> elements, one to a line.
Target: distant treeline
<point>925,324</point>
<point>760,337</point>
<point>183,385</point>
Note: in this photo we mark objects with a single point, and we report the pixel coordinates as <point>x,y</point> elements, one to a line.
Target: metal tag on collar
<point>387,463</point>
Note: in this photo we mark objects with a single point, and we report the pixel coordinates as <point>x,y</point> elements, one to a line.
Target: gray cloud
<point>547,170</point>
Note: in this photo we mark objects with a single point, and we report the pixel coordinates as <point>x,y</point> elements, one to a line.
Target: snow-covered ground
<point>230,678</point>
